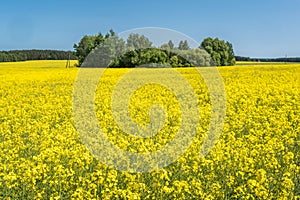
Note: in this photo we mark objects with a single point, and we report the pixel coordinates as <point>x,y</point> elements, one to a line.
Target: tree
<point>106,54</point>
<point>183,45</point>
<point>196,57</point>
<point>165,47</point>
<point>171,44</point>
<point>231,56</point>
<point>99,39</point>
<point>168,46</point>
<point>88,43</point>
<point>136,41</point>
<point>84,47</point>
<point>220,51</point>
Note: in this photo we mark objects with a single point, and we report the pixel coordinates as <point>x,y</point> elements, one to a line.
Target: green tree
<point>88,43</point>
<point>171,44</point>
<point>136,41</point>
<point>106,54</point>
<point>183,45</point>
<point>231,56</point>
<point>99,39</point>
<point>165,47</point>
<point>195,57</point>
<point>220,51</point>
<point>168,46</point>
<point>85,46</point>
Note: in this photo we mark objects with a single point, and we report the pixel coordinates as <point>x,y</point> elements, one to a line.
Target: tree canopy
<point>220,51</point>
<point>183,45</point>
<point>136,41</point>
<point>88,43</point>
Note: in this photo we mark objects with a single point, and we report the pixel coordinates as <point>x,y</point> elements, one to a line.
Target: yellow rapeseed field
<point>256,157</point>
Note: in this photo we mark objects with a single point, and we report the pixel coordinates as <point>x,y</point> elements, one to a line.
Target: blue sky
<point>267,28</point>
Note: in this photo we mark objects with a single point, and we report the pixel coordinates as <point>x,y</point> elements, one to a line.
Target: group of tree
<point>138,50</point>
<point>23,55</point>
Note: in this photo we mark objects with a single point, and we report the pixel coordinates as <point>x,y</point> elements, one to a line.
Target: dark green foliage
<point>142,57</point>
<point>286,59</point>
<point>85,46</point>
<point>88,43</point>
<point>242,58</point>
<point>23,55</point>
<point>171,44</point>
<point>220,51</point>
<point>105,53</point>
<point>174,58</point>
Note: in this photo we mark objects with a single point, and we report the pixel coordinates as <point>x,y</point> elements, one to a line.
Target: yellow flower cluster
<point>256,157</point>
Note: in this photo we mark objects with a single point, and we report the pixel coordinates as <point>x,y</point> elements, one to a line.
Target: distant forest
<point>23,55</point>
<point>241,58</point>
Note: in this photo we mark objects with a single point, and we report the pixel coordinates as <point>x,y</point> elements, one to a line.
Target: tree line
<point>286,59</point>
<point>23,55</point>
<point>138,50</point>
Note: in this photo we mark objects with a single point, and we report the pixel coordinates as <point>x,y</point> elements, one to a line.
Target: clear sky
<point>256,28</point>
